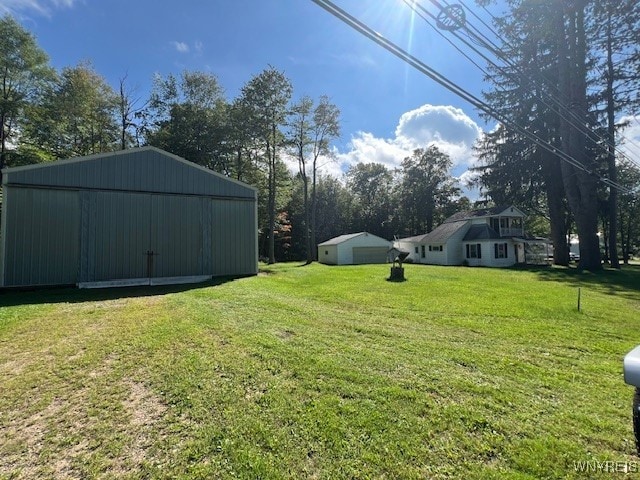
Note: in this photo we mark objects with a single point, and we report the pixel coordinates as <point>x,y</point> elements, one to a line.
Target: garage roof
<point>146,169</point>
<point>345,238</point>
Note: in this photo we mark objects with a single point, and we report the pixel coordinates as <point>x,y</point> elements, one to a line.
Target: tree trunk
<point>307,220</point>
<point>314,207</point>
<point>557,215</point>
<point>271,203</point>
<point>611,155</point>
<point>580,185</point>
<point>3,145</point>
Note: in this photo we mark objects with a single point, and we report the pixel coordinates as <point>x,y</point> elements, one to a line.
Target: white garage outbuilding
<point>354,249</point>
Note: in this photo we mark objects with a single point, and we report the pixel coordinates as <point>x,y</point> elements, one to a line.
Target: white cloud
<point>181,47</point>
<point>446,127</point>
<point>42,7</point>
<point>630,138</point>
<point>440,124</point>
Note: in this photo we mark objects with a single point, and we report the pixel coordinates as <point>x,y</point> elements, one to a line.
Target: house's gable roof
<point>439,235</point>
<point>485,212</point>
<point>344,238</point>
<point>480,232</point>
<point>146,169</point>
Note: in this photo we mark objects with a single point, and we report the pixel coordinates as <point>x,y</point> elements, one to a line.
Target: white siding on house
<point>456,255</point>
<point>435,257</point>
<point>410,247</point>
<point>488,258</point>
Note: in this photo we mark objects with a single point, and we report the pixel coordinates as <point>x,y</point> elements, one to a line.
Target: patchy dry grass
<point>319,372</point>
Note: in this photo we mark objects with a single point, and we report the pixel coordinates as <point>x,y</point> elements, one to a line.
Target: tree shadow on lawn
<point>37,296</point>
<point>624,282</point>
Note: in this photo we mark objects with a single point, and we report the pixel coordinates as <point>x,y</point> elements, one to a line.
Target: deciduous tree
<point>24,73</point>
<point>265,99</point>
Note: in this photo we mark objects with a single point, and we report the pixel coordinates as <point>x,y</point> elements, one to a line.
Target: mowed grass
<point>322,372</point>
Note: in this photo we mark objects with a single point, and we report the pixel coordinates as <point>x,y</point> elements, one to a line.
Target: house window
<point>416,249</point>
<point>500,250</point>
<point>423,251</point>
<point>435,248</point>
<point>326,252</point>
<point>474,250</point>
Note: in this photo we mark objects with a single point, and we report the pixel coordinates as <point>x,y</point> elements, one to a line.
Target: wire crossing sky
<point>452,19</point>
<point>388,107</point>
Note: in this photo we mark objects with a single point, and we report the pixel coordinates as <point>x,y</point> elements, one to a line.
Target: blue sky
<point>387,108</point>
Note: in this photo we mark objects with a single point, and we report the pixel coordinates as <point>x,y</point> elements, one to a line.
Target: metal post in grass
<point>579,298</point>
<point>631,367</point>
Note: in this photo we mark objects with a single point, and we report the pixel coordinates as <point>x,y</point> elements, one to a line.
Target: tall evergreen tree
<point>613,40</point>
<point>513,169</point>
<point>580,184</point>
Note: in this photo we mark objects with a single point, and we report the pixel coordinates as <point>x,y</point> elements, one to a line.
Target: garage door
<point>369,255</point>
<point>139,235</point>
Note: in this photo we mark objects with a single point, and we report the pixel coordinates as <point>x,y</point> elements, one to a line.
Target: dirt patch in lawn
<point>78,427</point>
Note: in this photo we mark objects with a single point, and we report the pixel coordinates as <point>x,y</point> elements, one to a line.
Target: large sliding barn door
<point>140,236</point>
<point>176,236</point>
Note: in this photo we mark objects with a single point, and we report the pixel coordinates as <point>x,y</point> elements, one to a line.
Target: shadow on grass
<point>624,282</point>
<point>37,296</point>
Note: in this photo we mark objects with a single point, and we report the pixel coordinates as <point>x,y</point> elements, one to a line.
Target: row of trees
<point>572,63</point>
<point>572,72</point>
<point>256,138</point>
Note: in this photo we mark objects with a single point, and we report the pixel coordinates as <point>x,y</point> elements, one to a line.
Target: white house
<point>355,248</point>
<point>492,237</point>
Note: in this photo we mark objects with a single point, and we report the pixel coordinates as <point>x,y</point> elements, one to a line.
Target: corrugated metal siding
<point>42,247</point>
<point>234,237</point>
<point>138,170</point>
<point>63,235</point>
<point>118,236</point>
<point>177,236</point>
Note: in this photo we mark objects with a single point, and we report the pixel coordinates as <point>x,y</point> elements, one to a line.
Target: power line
<point>454,88</point>
<point>558,107</point>
<point>592,135</point>
<point>459,22</point>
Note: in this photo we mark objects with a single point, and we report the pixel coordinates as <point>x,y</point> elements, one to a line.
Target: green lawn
<point>323,372</point>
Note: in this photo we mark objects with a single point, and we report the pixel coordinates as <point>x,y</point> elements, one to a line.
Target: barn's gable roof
<point>344,238</point>
<point>146,169</point>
